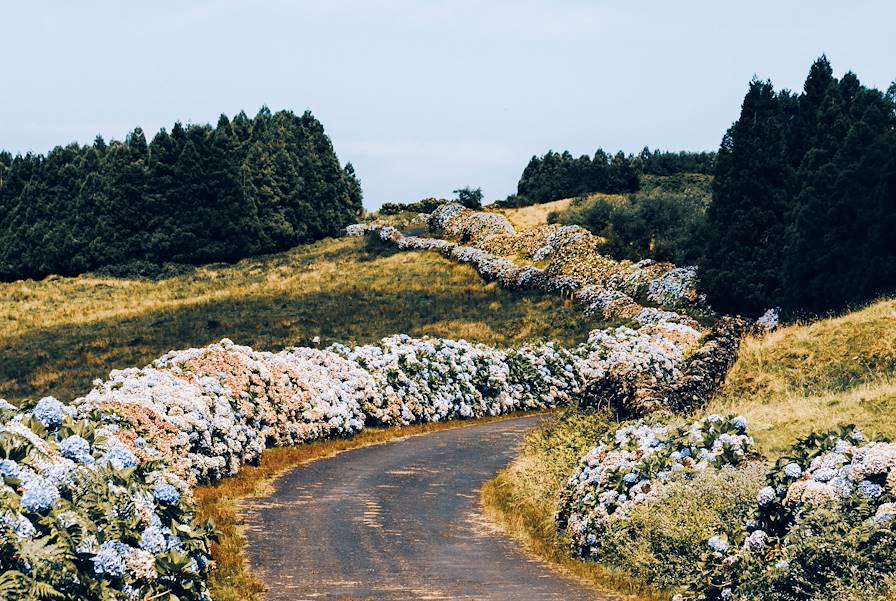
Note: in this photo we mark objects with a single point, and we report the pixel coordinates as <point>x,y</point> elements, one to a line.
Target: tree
<point>193,195</point>
<point>804,202</point>
<point>469,197</point>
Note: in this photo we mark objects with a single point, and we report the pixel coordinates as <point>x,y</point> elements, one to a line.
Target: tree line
<point>193,195</point>
<point>561,175</point>
<point>803,214</point>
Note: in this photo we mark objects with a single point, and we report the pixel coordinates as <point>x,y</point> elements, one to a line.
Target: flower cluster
<point>429,379</point>
<point>768,321</point>
<point>76,506</point>
<point>836,471</point>
<point>839,467</point>
<point>459,222</point>
<point>655,350</point>
<point>633,465</point>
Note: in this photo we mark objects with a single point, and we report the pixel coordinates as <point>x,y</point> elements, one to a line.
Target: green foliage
<point>427,205</point>
<point>194,195</point>
<point>663,540</point>
<point>663,221</point>
<point>804,202</point>
<point>831,554</point>
<point>560,175</point>
<point>470,197</point>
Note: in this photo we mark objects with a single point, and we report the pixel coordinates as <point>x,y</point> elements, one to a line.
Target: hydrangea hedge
<point>575,266</point>
<point>96,500</point>
<point>825,520</point>
<point>632,466</point>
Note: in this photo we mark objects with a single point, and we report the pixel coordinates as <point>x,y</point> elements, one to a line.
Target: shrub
<point>663,541</point>
<point>635,464</point>
<point>825,521</point>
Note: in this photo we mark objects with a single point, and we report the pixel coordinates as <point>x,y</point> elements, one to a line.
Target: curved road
<point>399,521</point>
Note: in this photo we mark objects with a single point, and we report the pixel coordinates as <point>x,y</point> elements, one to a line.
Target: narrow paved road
<point>399,521</point>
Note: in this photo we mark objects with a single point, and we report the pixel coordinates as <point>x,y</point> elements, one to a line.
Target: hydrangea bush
<point>826,516</point>
<point>81,517</point>
<point>635,463</point>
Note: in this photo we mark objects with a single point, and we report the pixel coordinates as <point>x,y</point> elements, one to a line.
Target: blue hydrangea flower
<point>110,560</point>
<point>119,458</point>
<point>21,525</point>
<point>766,495</point>
<point>152,539</point>
<point>718,544</point>
<point>740,422</point>
<point>9,468</point>
<point>630,477</point>
<point>793,470</point>
<point>40,496</point>
<point>870,489</point>
<point>77,449</point>
<point>167,494</point>
<point>49,411</point>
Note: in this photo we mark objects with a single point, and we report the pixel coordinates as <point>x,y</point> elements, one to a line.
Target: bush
<point>663,540</point>
<point>635,464</point>
<point>664,221</point>
<point>824,522</point>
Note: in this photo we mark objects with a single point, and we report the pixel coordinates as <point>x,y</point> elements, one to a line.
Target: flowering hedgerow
<point>634,464</point>
<point>82,517</point>
<point>611,297</point>
<point>97,497</point>
<point>832,489</point>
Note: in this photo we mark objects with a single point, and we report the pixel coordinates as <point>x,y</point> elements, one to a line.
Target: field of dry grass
<point>58,334</point>
<point>814,376</point>
<point>533,215</point>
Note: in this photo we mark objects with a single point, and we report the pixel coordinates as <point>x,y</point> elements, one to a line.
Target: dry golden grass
<point>524,498</point>
<point>526,217</point>
<point>815,376</point>
<point>58,334</point>
<point>232,580</point>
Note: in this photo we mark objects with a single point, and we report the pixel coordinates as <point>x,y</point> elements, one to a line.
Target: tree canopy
<point>561,175</point>
<point>804,200</point>
<point>192,195</point>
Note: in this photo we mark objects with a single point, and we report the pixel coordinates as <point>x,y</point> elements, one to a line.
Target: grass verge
<point>523,498</point>
<point>812,377</point>
<point>233,580</point>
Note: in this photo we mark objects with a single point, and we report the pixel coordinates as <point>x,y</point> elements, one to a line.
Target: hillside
<point>60,333</point>
<point>814,376</point>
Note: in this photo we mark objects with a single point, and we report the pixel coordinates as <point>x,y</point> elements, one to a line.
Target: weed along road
<point>399,521</point>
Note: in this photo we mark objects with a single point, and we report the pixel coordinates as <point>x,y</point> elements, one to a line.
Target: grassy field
<point>58,334</point>
<point>814,376</point>
<point>526,217</point>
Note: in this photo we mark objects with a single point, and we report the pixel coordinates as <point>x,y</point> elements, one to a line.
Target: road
<point>399,521</point>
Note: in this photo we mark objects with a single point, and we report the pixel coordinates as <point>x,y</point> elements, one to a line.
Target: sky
<point>424,97</point>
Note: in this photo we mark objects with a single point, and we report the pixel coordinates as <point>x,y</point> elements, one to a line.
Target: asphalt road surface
<point>399,521</point>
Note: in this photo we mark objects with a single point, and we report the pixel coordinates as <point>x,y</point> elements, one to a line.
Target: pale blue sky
<point>424,97</point>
